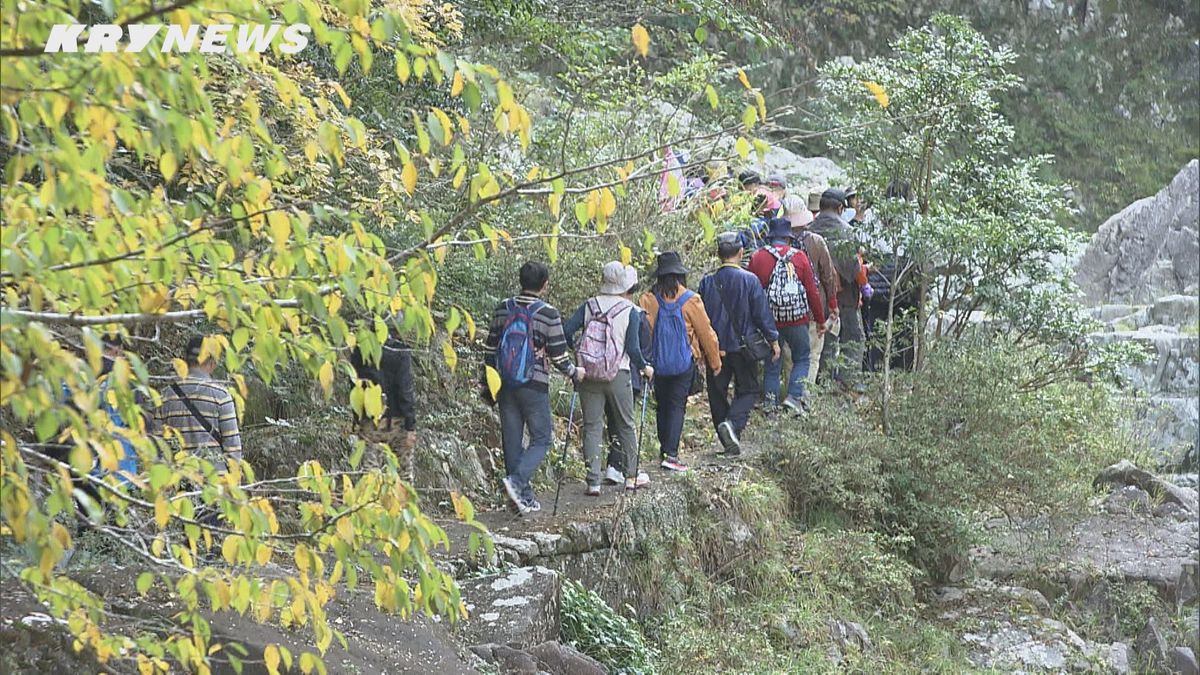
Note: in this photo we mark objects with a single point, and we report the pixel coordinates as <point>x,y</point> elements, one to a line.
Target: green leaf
<point>144,581</point>
<point>711,93</point>
<point>701,34</point>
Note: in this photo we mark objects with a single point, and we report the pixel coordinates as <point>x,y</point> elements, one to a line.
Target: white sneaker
<point>613,476</point>
<point>643,478</point>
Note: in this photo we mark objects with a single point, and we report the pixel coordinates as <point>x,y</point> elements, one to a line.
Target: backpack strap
<point>201,419</point>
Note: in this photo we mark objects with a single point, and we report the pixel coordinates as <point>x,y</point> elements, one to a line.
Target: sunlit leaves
<point>641,40</point>
<point>877,91</point>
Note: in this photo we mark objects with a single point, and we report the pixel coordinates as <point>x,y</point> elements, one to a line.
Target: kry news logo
<point>217,38</point>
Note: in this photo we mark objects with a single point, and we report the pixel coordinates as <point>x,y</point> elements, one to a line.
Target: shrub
<point>975,432</point>
<point>594,628</point>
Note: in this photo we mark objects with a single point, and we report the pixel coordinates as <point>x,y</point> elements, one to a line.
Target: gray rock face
<point>1148,250</point>
<point>1141,271</point>
<point>1126,474</point>
<point>518,608</point>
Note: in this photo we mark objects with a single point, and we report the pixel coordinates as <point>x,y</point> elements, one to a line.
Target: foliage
<point>290,204</point>
<point>594,628</point>
<point>976,433</point>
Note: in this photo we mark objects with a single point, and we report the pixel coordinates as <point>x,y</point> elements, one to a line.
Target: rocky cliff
<point>1141,273</point>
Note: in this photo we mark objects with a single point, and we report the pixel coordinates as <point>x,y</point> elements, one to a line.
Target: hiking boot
<point>593,491</point>
<point>673,464</point>
<point>613,477</point>
<point>729,438</point>
<point>514,495</point>
<point>794,405</point>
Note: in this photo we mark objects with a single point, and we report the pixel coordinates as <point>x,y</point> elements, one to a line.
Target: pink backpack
<point>599,354</point>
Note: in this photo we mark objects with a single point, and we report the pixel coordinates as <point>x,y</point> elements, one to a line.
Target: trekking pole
<point>566,441</point>
<point>637,462</point>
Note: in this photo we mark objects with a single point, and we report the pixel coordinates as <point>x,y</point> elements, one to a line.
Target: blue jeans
<point>796,339</point>
<point>521,409</point>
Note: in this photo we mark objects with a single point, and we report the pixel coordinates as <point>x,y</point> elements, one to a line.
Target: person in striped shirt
<point>527,407</point>
<point>201,411</point>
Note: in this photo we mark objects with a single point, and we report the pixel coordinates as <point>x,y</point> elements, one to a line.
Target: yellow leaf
<point>626,254</point>
<point>743,79</point>
<point>271,656</point>
<point>641,39</point>
<point>229,548</point>
<point>403,71</point>
<point>345,530</point>
<point>162,514</point>
<point>280,226</point>
<point>450,355</point>
<point>877,91</point>
<point>342,92</point>
<point>408,176</point>
<point>373,401</point>
<point>608,203</point>
<point>456,85</point>
<point>167,164</point>
<point>459,176</point>
<point>555,204</point>
<point>493,381</point>
<point>263,554</point>
<point>325,376</point>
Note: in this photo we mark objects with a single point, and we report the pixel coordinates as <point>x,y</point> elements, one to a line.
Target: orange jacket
<point>700,331</point>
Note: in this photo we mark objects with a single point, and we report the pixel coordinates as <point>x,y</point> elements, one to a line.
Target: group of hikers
<point>793,279</point>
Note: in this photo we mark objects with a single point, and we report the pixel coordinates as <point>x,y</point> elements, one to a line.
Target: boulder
<point>1182,660</point>
<point>1176,310</point>
<point>1126,473</point>
<point>519,607</point>
<point>849,635</point>
<point>1148,250</point>
<point>561,659</point>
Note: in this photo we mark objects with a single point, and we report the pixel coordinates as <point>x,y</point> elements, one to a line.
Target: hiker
<point>683,340</point>
<point>787,275</point>
<point>201,410</point>
<point>814,203</point>
<point>393,374</point>
<point>817,250</point>
<point>526,332</point>
<point>741,317</point>
<point>614,474</point>
<point>608,350</point>
<point>841,358</point>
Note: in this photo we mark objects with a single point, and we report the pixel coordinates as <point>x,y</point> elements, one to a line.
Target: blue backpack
<point>672,349</point>
<point>516,355</point>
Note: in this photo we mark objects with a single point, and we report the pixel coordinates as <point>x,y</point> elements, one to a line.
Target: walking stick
<point>566,440</point>
<point>637,462</point>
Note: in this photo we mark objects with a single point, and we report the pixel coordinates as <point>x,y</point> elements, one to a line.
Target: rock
<point>1189,584</point>
<point>1151,645</point>
<point>1115,657</point>
<point>1183,660</point>
<point>1077,554</point>
<point>548,657</point>
<point>1125,473</point>
<point>547,543</point>
<point>563,659</point>
<point>1149,254</point>
<point>1128,499</point>
<point>1176,310</point>
<point>525,550</point>
<point>849,635</point>
<point>1027,596</point>
<point>1148,250</point>
<point>509,660</point>
<point>519,607</point>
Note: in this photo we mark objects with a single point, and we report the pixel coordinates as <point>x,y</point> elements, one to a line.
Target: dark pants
<point>743,373</point>
<point>671,395</point>
<point>524,409</point>
<point>395,377</point>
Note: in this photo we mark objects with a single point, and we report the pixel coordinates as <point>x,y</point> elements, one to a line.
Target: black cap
<point>834,193</point>
<point>749,178</point>
<point>192,353</point>
<point>669,262</point>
